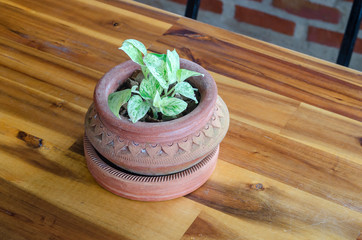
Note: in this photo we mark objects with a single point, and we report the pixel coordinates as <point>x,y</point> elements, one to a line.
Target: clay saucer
<point>148,188</point>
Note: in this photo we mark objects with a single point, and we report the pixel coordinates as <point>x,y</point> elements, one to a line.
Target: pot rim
<point>160,131</point>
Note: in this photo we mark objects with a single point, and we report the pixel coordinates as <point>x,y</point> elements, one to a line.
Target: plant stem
<point>144,70</point>
<point>172,89</point>
<point>155,114</point>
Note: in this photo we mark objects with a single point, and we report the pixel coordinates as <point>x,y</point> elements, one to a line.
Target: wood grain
<point>341,136</point>
<point>255,106</point>
<point>72,34</point>
<point>256,207</point>
<point>305,61</point>
<point>289,167</point>
<point>21,103</point>
<point>38,219</point>
<point>51,172</point>
<point>304,167</point>
<point>279,75</point>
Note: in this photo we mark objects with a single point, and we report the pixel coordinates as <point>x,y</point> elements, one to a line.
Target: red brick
<point>306,9</point>
<point>215,6</point>
<point>212,5</point>
<point>264,20</point>
<point>330,38</point>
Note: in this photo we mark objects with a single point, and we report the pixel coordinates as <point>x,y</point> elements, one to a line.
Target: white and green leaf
<point>157,68</point>
<point>137,108</point>
<point>137,44</point>
<point>117,99</point>
<point>145,71</point>
<point>160,56</point>
<point>172,65</point>
<point>186,90</point>
<point>133,51</point>
<point>157,100</point>
<point>160,71</point>
<point>149,87</point>
<point>171,106</point>
<point>183,74</point>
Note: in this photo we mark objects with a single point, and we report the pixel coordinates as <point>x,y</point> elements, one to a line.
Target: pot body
<point>156,148</point>
<point>148,188</point>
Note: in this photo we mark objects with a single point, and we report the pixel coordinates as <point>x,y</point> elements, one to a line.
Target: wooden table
<point>290,166</point>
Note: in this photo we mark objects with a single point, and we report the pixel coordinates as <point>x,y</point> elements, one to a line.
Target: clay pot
<point>148,188</point>
<point>155,149</point>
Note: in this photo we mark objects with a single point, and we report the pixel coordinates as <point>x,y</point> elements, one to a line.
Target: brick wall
<point>314,27</point>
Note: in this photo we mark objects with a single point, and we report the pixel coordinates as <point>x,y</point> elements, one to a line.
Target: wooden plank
<point>35,86</point>
<point>47,57</point>
<point>22,103</point>
<point>26,216</point>
<point>78,32</point>
<point>281,53</point>
<point>57,177</point>
<point>255,106</point>
<point>315,171</point>
<point>45,87</point>
<point>93,14</point>
<point>13,126</point>
<point>289,167</point>
<point>206,226</point>
<point>46,71</point>
<point>239,204</point>
<point>66,43</point>
<point>326,131</point>
<point>278,75</point>
<point>233,203</point>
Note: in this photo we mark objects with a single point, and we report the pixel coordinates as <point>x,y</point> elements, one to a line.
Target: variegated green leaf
<point>117,99</point>
<point>157,68</point>
<point>172,65</point>
<point>160,56</point>
<point>137,108</point>
<point>137,44</point>
<point>157,100</point>
<point>145,71</point>
<point>149,87</point>
<point>171,106</point>
<point>133,52</point>
<point>160,71</point>
<point>183,74</point>
<point>186,90</point>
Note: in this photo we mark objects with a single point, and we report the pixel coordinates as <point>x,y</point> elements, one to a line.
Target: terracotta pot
<point>156,148</point>
<point>148,188</point>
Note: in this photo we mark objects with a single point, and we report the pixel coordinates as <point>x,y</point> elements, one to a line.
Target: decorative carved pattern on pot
<point>149,188</point>
<point>126,153</point>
